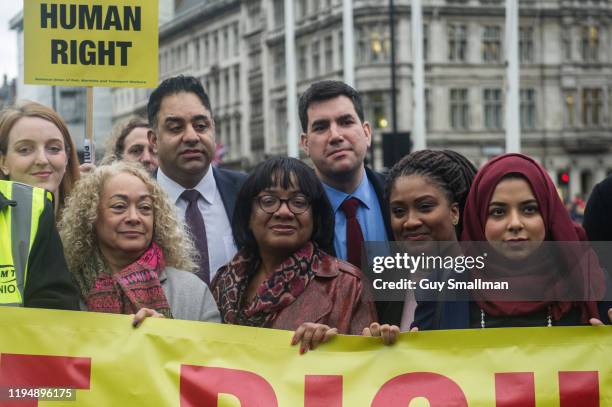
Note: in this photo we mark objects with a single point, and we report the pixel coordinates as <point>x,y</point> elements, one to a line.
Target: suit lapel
<point>378,181</point>
<point>228,191</point>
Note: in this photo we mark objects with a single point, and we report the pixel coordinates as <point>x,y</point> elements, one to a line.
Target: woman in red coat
<point>282,276</point>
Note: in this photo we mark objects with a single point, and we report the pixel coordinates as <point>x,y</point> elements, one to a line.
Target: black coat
<point>389,312</point>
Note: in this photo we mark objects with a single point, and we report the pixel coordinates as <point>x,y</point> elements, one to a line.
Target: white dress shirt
<point>221,247</point>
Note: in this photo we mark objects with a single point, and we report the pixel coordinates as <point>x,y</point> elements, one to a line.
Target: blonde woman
<point>126,250</point>
<point>36,149</point>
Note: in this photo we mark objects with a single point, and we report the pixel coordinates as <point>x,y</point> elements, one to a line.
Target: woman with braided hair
<point>514,206</point>
<point>426,191</point>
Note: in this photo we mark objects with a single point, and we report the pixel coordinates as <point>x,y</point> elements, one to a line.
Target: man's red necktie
<point>354,236</point>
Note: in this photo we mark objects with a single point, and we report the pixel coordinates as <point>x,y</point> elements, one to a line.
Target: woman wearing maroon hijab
<point>514,205</point>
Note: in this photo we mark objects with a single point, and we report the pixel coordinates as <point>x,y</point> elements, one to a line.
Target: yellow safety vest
<point>18,226</point>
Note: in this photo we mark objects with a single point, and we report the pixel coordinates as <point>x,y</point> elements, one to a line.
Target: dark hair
<point>172,86</point>
<point>134,123</point>
<point>449,170</point>
<point>325,90</point>
<point>279,171</point>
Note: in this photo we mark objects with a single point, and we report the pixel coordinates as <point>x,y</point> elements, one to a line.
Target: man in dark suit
<point>183,133</point>
<point>336,137</point>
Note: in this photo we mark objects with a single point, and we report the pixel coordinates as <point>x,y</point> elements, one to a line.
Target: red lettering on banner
<point>323,391</point>
<point>439,390</point>
<point>43,371</point>
<point>514,390</point>
<point>201,385</point>
<point>579,389</point>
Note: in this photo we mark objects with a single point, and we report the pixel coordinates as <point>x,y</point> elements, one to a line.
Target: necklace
<point>483,323</point>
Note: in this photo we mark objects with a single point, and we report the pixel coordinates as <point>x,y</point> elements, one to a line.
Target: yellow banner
<point>91,43</point>
<point>183,363</point>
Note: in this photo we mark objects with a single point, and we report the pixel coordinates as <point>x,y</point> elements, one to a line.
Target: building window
<point>380,45</point>
<point>206,51</point>
<point>219,129</point>
<point>236,46</point>
<point>526,44</point>
<point>226,85</point>
<point>491,43</point>
<point>459,109</point>
<point>279,65</point>
<point>302,62</point>
<point>528,109</point>
<point>237,140</point>
<point>281,123</point>
<point>566,41</point>
<point>302,9</point>
<point>493,109</point>
<point>225,42</point>
<point>425,42</point>
<point>316,58</point>
<point>457,42</point>
<point>362,45</point>
<point>329,54</point>
<point>216,88</point>
<point>570,110</point>
<point>72,105</point>
<point>196,45</point>
<point>590,43</point>
<point>374,43</point>
<point>428,109</point>
<point>255,61</point>
<point>591,107</point>
<point>215,47</point>
<point>279,13</point>
<point>256,105</point>
<point>377,106</point>
<point>315,6</point>
<point>237,84</point>
<point>254,16</point>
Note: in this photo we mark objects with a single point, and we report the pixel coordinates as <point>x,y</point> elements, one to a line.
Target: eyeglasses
<point>271,203</point>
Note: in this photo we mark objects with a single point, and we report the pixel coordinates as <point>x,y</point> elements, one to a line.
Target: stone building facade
<point>236,48</point>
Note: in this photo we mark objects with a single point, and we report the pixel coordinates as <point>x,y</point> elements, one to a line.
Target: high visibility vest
<point>18,226</point>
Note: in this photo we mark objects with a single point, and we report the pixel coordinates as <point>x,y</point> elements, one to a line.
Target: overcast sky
<point>8,38</point>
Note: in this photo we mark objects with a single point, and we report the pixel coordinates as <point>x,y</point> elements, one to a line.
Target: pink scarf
<point>136,286</point>
<point>279,291</point>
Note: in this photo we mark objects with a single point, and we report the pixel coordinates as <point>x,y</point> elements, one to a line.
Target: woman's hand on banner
<point>312,335</point>
<point>389,333</point>
<point>595,321</point>
<point>144,313</point>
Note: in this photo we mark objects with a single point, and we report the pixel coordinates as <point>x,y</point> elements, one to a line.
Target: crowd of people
<point>157,231</point>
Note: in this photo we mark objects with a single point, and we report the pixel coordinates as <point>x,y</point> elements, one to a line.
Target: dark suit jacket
<point>389,312</point>
<point>598,226</point>
<point>228,184</point>
<point>378,182</point>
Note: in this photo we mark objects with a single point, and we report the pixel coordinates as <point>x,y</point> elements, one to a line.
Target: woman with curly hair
<point>126,250</point>
<point>36,149</point>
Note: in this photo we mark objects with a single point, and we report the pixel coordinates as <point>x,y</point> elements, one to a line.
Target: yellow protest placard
<point>91,359</point>
<point>91,43</point>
